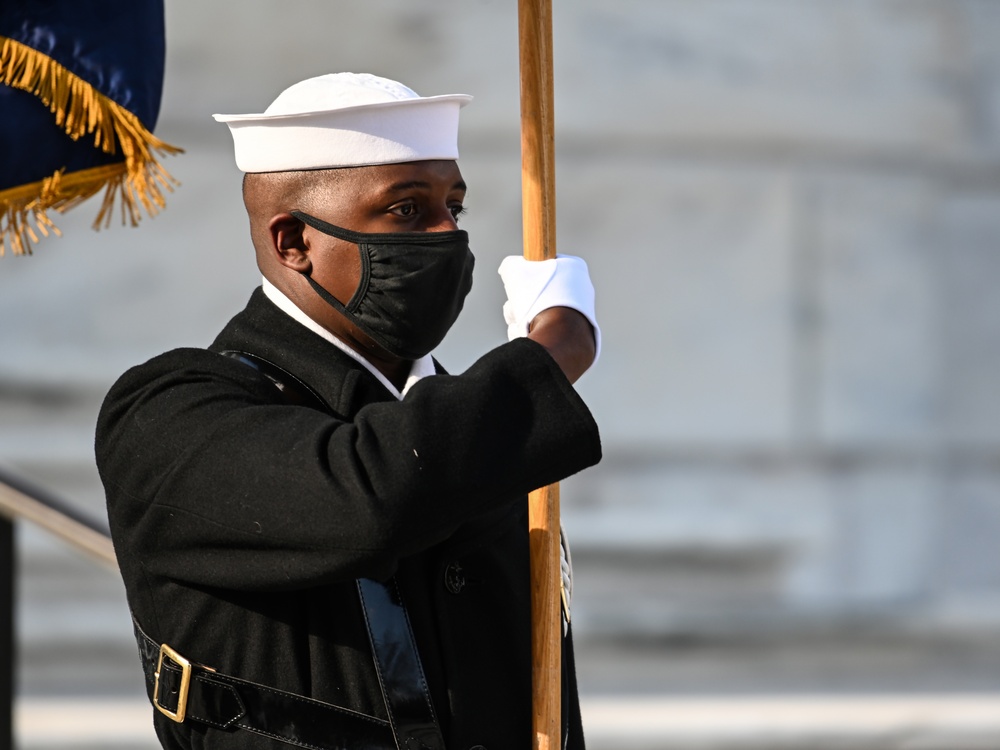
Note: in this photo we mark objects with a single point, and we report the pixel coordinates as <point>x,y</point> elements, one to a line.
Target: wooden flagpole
<point>539,219</point>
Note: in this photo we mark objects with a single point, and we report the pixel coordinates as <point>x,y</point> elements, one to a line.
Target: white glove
<point>533,286</point>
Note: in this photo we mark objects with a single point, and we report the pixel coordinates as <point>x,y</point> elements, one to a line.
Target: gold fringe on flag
<point>80,110</point>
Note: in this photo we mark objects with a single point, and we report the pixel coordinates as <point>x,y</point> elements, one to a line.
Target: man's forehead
<point>387,178</point>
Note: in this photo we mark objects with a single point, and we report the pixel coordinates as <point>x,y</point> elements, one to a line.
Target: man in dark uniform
<point>322,535</point>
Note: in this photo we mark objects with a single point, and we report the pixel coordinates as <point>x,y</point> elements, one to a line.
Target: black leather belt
<point>185,691</point>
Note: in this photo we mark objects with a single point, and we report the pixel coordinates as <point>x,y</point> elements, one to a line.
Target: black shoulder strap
<point>294,390</point>
<point>397,662</point>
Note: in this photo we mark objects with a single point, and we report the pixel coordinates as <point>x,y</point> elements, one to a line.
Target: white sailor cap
<point>346,120</point>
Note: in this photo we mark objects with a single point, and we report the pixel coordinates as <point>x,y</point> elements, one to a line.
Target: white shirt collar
<point>421,368</point>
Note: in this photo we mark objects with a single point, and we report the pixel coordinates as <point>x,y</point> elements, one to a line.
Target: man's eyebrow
<point>423,184</point>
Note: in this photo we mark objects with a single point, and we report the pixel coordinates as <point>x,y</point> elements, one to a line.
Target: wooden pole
<point>539,213</point>
<point>537,130</point>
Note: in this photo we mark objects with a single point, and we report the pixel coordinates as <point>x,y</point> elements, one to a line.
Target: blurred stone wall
<point>799,393</point>
<point>792,213</point>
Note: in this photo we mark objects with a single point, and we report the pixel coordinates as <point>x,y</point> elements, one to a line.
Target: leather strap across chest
<point>397,661</point>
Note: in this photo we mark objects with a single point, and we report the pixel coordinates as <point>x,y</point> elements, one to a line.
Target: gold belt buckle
<point>182,697</point>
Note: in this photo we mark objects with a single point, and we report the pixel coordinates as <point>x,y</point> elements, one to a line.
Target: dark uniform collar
<point>266,331</point>
<point>346,385</point>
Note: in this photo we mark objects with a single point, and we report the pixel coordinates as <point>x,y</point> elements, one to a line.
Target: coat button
<point>454,578</point>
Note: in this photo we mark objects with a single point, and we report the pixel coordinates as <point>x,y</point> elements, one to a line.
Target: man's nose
<point>443,221</point>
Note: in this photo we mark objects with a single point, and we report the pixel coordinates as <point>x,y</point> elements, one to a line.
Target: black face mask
<point>413,285</point>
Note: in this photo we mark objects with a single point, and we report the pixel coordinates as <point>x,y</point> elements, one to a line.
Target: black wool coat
<point>240,521</point>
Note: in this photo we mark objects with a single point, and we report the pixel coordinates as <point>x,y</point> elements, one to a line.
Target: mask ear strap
<point>348,311</point>
<point>359,294</point>
<point>329,298</point>
<point>382,238</point>
<point>326,228</point>
<point>364,254</point>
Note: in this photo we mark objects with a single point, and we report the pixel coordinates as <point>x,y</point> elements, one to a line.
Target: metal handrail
<point>21,500</point>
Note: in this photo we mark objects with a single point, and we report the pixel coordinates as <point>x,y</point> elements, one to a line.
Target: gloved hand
<point>534,286</point>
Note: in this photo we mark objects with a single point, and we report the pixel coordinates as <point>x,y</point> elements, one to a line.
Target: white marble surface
<point>792,214</point>
<point>879,722</point>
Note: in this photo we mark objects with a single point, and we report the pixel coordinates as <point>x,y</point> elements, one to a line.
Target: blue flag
<point>80,86</point>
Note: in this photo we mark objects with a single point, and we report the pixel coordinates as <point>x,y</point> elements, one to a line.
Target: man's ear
<point>288,244</point>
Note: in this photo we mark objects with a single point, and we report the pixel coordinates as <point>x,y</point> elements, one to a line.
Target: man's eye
<point>406,209</point>
<point>457,211</point>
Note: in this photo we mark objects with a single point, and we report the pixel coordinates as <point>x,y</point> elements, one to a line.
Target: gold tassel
<point>80,110</point>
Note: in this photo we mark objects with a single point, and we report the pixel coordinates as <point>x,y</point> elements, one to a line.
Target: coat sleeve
<point>213,480</point>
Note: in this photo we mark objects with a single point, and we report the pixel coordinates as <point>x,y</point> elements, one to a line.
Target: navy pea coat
<point>240,521</point>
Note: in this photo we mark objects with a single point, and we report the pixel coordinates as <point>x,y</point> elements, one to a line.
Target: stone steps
<point>676,615</point>
<point>686,639</point>
<point>773,722</point>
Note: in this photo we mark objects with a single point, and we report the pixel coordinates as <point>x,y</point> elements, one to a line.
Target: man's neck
<point>398,381</point>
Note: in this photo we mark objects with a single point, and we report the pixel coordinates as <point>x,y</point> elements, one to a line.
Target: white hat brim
<point>417,129</point>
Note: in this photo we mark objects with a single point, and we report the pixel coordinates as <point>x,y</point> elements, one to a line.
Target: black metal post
<point>7,652</point>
